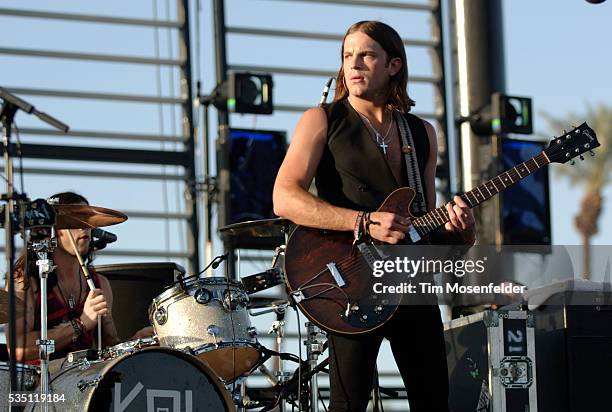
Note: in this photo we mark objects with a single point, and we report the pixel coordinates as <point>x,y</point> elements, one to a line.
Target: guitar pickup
<point>336,274</point>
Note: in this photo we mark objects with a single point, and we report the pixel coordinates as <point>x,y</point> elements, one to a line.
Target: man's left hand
<point>461,221</point>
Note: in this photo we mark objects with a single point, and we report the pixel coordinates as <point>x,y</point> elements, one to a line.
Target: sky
<point>556,51</point>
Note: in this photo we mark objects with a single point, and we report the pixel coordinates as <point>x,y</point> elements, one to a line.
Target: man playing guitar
<point>355,149</point>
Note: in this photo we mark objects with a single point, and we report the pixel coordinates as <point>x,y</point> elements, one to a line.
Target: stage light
<point>250,93</point>
<point>505,114</point>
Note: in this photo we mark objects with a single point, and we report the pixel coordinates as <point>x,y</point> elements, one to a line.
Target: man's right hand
<point>388,227</point>
<point>94,305</point>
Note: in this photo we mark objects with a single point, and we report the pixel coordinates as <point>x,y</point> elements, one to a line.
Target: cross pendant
<point>383,146</point>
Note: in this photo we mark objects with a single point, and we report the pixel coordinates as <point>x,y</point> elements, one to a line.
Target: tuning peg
<point>573,162</point>
<point>592,153</point>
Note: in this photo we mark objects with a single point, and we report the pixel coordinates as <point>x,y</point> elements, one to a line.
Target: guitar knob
<point>378,309</point>
<point>581,157</point>
<point>573,162</point>
<point>592,153</point>
<point>363,318</point>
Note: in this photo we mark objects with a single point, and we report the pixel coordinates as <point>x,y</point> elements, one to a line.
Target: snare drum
<point>150,379</point>
<point>27,380</point>
<point>208,316</point>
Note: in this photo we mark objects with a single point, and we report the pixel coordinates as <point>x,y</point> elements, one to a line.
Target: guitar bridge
<point>336,274</point>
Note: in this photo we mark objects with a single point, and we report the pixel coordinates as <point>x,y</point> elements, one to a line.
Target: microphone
<point>102,237</point>
<point>217,261</point>
<point>326,91</point>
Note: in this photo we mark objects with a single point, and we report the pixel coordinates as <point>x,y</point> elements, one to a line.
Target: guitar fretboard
<point>438,217</point>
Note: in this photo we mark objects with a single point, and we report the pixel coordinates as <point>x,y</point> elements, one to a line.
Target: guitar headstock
<point>574,143</point>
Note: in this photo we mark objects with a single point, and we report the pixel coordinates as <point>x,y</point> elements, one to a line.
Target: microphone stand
<point>7,114</point>
<point>11,104</point>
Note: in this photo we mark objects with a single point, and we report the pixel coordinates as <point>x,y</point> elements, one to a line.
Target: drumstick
<point>90,283</point>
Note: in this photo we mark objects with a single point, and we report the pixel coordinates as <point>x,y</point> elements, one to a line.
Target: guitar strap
<point>419,205</point>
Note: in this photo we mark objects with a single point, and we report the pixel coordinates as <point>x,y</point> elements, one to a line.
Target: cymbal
<point>78,216</point>
<point>4,307</point>
<point>267,228</point>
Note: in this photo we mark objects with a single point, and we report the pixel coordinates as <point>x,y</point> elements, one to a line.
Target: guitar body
<point>331,280</point>
<point>307,255</point>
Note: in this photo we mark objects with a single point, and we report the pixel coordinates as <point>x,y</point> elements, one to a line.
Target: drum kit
<point>203,349</point>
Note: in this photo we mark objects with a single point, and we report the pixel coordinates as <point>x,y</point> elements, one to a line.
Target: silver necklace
<point>380,140</point>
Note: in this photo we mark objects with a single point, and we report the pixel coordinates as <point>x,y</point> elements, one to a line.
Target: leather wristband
<point>77,329</point>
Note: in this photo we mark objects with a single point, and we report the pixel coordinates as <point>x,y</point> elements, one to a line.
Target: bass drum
<point>151,379</point>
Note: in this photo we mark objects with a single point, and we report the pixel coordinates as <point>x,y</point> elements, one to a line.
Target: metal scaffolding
<point>104,149</point>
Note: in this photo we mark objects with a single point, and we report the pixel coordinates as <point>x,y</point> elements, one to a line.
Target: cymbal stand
<point>46,346</point>
<point>314,347</point>
<point>277,329</point>
<point>282,377</point>
<point>238,394</point>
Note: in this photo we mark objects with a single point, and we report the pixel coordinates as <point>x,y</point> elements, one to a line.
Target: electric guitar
<point>327,276</point>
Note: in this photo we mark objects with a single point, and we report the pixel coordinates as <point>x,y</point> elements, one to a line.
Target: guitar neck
<point>438,217</point>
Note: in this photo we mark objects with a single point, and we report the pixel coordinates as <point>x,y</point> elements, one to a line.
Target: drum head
<point>152,379</point>
<point>229,360</point>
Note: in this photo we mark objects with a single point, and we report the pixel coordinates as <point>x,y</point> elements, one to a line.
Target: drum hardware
<point>46,346</point>
<point>258,302</point>
<point>287,387</point>
<point>86,354</point>
<point>214,331</point>
<point>279,256</point>
<point>263,280</point>
<point>282,377</point>
<point>160,315</point>
<point>83,384</point>
<point>268,374</point>
<point>202,296</point>
<point>129,347</point>
<point>232,299</point>
<point>314,347</point>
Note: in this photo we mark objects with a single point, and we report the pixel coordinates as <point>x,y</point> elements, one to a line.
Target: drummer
<point>72,309</point>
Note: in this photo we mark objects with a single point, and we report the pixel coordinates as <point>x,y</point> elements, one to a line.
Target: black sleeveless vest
<point>353,172</point>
